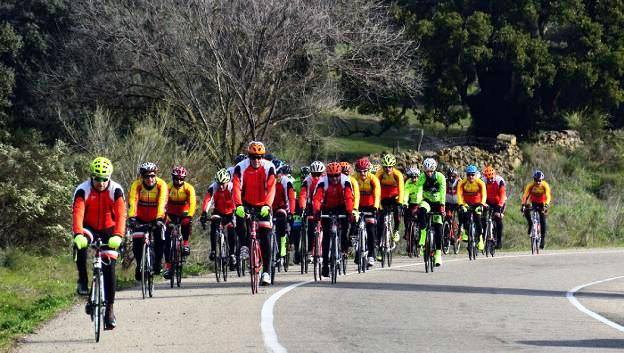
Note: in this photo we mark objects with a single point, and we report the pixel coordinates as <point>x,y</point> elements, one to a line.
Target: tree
<point>10,42</point>
<point>234,70</point>
<point>517,66</point>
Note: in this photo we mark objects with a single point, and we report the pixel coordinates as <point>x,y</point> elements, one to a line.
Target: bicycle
<point>273,255</point>
<point>147,258</point>
<point>255,253</point>
<point>222,252</point>
<point>303,243</point>
<point>490,233</point>
<point>284,260</point>
<point>335,253</point>
<point>386,244</point>
<point>451,232</point>
<point>536,230</point>
<point>175,253</point>
<point>97,298</point>
<point>412,242</point>
<point>429,248</point>
<point>317,252</point>
<point>361,242</point>
<point>472,236</point>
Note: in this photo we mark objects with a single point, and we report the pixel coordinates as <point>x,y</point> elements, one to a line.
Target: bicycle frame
<point>361,244</point>
<point>429,250</point>
<point>472,237</point>
<point>255,254</point>
<point>386,245</point>
<point>536,230</point>
<point>175,251</point>
<point>335,255</point>
<point>97,298</point>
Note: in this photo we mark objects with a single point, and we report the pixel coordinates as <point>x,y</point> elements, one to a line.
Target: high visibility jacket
<point>181,199</point>
<point>146,204</point>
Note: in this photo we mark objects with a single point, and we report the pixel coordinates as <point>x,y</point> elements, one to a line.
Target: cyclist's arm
<point>483,191</point>
<point>502,194</point>
<point>236,187</point>
<point>303,195</point>
<point>119,211</point>
<point>349,198</point>
<point>207,199</point>
<point>270,191</point>
<point>78,212</point>
<point>291,198</point>
<point>398,176</point>
<point>460,192</point>
<point>356,193</point>
<point>420,183</point>
<point>319,195</point>
<point>442,190</point>
<point>133,198</point>
<point>163,194</point>
<point>547,191</point>
<point>527,191</point>
<point>376,191</point>
<point>191,199</point>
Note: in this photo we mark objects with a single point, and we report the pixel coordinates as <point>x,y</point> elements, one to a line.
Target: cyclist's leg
<point>478,220</point>
<point>280,230</point>
<point>311,230</point>
<point>498,220</point>
<point>158,248</point>
<point>264,233</point>
<point>241,233</point>
<point>228,226</point>
<point>326,224</point>
<point>407,218</point>
<point>542,226</point>
<point>214,227</point>
<point>167,247</point>
<point>422,225</point>
<point>437,226</point>
<point>137,249</point>
<point>110,280</point>
<point>527,215</point>
<point>345,239</point>
<point>187,228</point>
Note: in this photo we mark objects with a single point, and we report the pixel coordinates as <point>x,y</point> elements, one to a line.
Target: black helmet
<point>239,158</point>
<point>452,172</point>
<point>285,169</point>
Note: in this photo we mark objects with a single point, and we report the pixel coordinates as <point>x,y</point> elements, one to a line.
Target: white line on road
<point>578,305</point>
<point>270,336</point>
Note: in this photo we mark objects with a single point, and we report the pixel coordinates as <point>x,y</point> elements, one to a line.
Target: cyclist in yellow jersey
<point>391,181</point>
<point>369,201</point>
<point>471,192</point>
<point>146,205</point>
<point>180,208</point>
<point>538,192</point>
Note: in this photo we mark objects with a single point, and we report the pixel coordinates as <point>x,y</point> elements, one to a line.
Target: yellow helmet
<point>101,167</point>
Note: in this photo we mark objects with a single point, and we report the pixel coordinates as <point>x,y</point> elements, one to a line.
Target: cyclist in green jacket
<point>430,195</point>
<point>410,191</point>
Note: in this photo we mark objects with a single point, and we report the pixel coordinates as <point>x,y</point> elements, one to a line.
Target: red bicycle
<point>451,232</point>
<point>255,254</point>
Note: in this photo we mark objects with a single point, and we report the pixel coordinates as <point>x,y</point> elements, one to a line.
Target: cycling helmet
<point>222,176</point>
<point>452,172</point>
<point>305,170</point>
<point>538,175</point>
<point>277,163</point>
<point>430,165</point>
<point>285,169</point>
<point>269,157</point>
<point>362,164</point>
<point>148,167</point>
<point>346,168</point>
<point>334,168</point>
<point>374,168</point>
<point>471,169</point>
<point>241,157</point>
<point>256,148</point>
<point>101,167</point>
<point>412,171</point>
<point>179,172</point>
<point>489,172</point>
<point>388,160</point>
<point>317,167</point>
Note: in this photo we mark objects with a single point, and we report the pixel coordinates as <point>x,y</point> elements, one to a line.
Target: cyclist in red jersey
<point>219,195</point>
<point>496,198</point>
<point>254,187</point>
<point>334,194</point>
<point>99,210</point>
<point>317,169</point>
<point>283,205</point>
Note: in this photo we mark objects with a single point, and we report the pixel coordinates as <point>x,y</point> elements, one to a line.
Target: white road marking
<point>579,306</point>
<point>270,336</point>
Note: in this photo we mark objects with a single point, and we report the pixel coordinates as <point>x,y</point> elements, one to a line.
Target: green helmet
<point>222,176</point>
<point>101,167</point>
<point>388,160</point>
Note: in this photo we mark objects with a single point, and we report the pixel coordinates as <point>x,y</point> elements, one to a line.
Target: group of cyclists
<point>260,184</point>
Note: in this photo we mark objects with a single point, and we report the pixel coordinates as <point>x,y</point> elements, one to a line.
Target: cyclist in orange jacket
<point>496,198</point>
<point>538,192</point>
<point>99,210</point>
<point>254,187</point>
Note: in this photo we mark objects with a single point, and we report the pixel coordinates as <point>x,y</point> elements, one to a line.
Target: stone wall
<point>569,139</point>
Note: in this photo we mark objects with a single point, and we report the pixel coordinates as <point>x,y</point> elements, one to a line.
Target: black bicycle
<point>222,252</point>
<point>97,299</point>
<point>176,253</point>
<point>472,234</point>
<point>536,229</point>
<point>490,232</point>
<point>335,253</point>
<point>303,243</point>
<point>429,249</point>
<point>386,244</point>
<point>360,243</point>
<point>148,258</point>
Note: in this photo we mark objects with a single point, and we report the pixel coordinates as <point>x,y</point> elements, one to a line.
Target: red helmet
<point>256,148</point>
<point>346,167</point>
<point>489,172</point>
<point>179,171</point>
<point>362,164</point>
<point>334,168</point>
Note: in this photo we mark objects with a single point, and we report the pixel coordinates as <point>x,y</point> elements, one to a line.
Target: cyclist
<point>538,192</point>
<point>254,187</point>
<point>391,180</point>
<point>334,194</point>
<point>471,193</point>
<point>219,195</point>
<point>317,169</point>
<point>241,157</point>
<point>283,205</point>
<point>413,173</point>
<point>180,208</point>
<point>370,201</point>
<point>347,170</point>
<point>99,210</point>
<point>496,198</point>
<point>430,195</point>
<point>452,180</point>
<point>296,226</point>
<point>146,205</point>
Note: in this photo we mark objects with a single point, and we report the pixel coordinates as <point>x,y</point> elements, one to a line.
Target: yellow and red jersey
<point>471,193</point>
<point>391,184</point>
<point>370,190</point>
<point>147,205</point>
<point>222,199</point>
<point>496,190</point>
<point>328,196</point>
<point>254,186</point>
<point>181,199</point>
<point>537,193</point>
<point>307,191</point>
<point>99,210</point>
<point>284,194</point>
<point>356,192</point>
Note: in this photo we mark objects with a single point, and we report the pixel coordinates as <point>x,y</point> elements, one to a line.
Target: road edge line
<point>572,299</point>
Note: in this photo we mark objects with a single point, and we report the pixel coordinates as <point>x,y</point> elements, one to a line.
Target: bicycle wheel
<point>174,261</point>
<point>430,239</point>
<point>255,261</point>
<point>150,274</point>
<point>225,259</point>
<point>97,307</point>
<point>273,257</point>
<point>217,261</point>
<point>446,240</point>
<point>317,258</point>
<point>427,255</point>
<point>143,269</point>
<point>456,237</point>
<point>287,257</point>
<point>303,249</point>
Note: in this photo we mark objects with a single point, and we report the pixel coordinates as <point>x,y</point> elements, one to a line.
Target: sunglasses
<point>149,176</point>
<point>333,175</point>
<point>100,179</point>
<point>178,179</point>
<point>256,157</point>
<point>470,174</point>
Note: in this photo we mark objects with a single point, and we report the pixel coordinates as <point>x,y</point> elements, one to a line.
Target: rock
<point>506,138</point>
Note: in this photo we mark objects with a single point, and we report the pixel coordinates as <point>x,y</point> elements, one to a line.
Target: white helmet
<point>317,167</point>
<point>430,164</point>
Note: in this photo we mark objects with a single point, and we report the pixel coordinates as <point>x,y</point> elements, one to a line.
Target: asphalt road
<point>513,302</point>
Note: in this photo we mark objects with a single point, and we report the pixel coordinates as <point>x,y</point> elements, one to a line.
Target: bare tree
<point>233,70</point>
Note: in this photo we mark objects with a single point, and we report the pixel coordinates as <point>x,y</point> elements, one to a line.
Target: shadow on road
<point>59,341</point>
<point>593,343</point>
